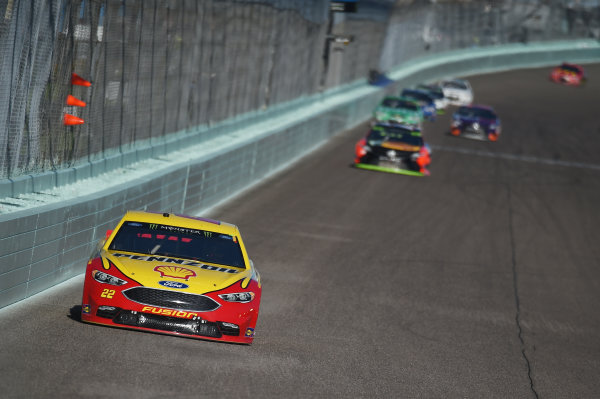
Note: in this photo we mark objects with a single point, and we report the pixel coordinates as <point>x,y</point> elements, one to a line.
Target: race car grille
<point>475,131</point>
<point>390,158</point>
<point>171,299</point>
<point>166,323</point>
<point>385,153</point>
<point>472,130</point>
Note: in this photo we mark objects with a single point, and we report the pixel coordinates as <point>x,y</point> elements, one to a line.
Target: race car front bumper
<point>204,316</point>
<point>475,134</point>
<point>173,322</point>
<point>195,326</point>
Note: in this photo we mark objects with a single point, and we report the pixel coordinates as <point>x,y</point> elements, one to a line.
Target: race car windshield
<point>570,68</point>
<point>473,113</point>
<point>398,103</point>
<point>379,134</point>
<point>178,242</point>
<point>455,85</point>
<point>432,91</point>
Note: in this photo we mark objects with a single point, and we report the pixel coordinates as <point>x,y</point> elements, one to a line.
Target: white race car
<point>436,93</point>
<point>457,91</point>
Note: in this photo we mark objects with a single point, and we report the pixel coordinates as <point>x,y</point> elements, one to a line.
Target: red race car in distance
<point>568,74</point>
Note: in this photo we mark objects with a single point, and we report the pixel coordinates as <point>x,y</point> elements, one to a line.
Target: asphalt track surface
<point>480,281</point>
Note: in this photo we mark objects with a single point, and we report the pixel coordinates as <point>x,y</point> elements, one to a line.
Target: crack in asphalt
<point>516,291</point>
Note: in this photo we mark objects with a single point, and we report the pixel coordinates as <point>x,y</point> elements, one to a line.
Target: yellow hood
<point>199,277</point>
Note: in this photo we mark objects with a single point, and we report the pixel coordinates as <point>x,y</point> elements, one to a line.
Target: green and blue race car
<point>399,110</point>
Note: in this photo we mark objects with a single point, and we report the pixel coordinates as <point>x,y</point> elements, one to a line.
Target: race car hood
<point>400,146</point>
<point>150,271</point>
<point>455,91</point>
<point>399,112</point>
<point>457,94</point>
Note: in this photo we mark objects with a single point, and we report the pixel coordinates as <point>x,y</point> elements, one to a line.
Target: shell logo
<point>175,272</point>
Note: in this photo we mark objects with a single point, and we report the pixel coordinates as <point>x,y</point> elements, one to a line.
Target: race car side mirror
<point>108,233</point>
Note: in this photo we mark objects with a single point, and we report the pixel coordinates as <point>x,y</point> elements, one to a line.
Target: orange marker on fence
<point>71,120</point>
<point>79,81</point>
<point>71,100</point>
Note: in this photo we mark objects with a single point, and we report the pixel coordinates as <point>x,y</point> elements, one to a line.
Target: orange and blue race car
<point>393,148</point>
<point>173,274</point>
<point>568,74</point>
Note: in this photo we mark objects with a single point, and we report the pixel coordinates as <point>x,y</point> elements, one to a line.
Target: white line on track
<point>514,157</point>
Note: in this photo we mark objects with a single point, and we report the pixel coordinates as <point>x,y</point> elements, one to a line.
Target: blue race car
<point>478,122</point>
<point>434,90</point>
<point>425,100</point>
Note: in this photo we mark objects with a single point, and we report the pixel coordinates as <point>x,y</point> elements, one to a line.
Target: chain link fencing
<point>160,67</point>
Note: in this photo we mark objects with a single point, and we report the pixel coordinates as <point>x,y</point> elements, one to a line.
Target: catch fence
<point>160,67</point>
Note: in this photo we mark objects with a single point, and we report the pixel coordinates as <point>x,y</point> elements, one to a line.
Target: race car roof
<point>172,219</point>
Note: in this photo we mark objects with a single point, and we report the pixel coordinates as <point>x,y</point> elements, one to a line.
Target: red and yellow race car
<point>568,74</point>
<point>173,274</point>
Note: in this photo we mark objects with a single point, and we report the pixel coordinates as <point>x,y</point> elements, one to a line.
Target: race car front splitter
<point>389,170</point>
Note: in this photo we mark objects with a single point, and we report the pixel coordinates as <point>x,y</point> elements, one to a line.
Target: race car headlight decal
<point>240,297</point>
<point>493,127</point>
<point>455,123</point>
<point>106,278</point>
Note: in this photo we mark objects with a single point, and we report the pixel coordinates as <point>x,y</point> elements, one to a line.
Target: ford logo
<point>173,284</point>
